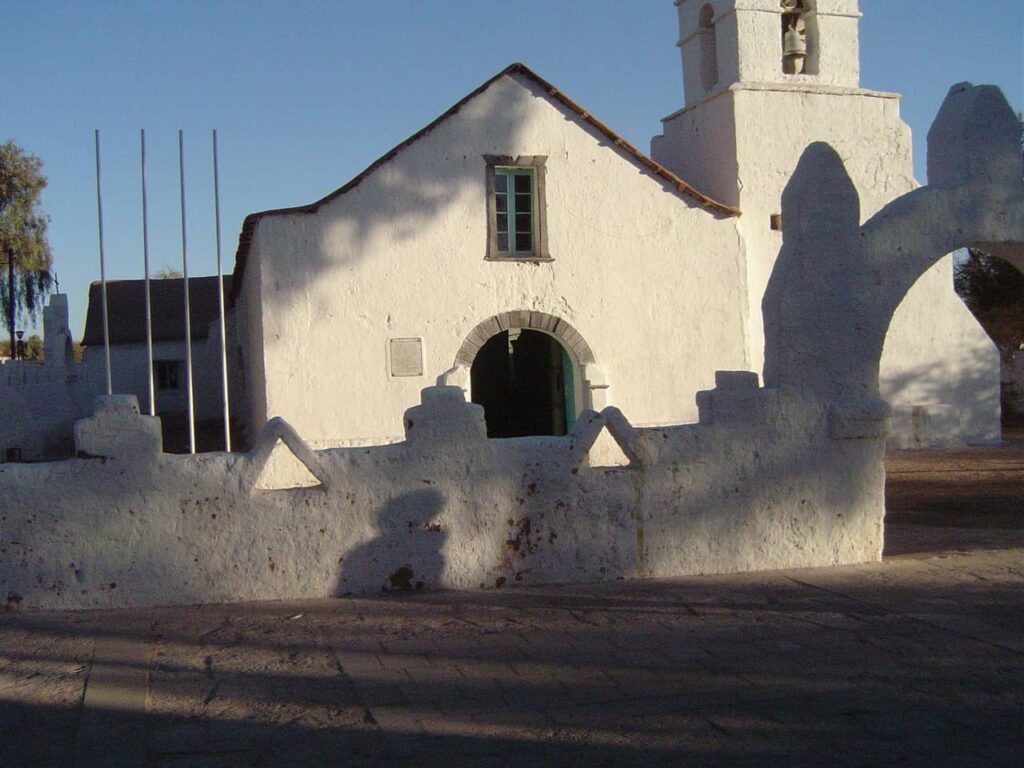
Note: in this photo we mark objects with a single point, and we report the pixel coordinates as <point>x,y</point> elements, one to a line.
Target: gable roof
<point>126,306</point>
<point>249,225</point>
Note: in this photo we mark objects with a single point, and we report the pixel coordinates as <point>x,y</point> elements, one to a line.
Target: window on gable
<point>167,373</point>
<point>514,204</point>
<point>515,207</point>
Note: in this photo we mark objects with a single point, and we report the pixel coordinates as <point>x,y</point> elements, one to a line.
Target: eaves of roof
<point>249,225</point>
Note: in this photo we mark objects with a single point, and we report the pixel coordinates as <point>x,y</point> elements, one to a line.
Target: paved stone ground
<point>918,660</point>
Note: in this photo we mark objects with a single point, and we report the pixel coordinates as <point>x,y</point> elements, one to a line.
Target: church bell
<point>793,43</point>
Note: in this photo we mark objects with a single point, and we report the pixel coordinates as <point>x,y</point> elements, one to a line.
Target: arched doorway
<point>566,378</point>
<point>525,382</point>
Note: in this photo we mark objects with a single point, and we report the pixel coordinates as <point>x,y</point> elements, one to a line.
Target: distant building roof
<point>126,304</point>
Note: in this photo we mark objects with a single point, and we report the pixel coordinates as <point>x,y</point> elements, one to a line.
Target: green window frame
<point>515,209</point>
<point>516,221</point>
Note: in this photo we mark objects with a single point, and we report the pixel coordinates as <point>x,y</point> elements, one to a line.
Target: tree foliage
<point>22,231</point>
<point>30,348</point>
<point>993,290</point>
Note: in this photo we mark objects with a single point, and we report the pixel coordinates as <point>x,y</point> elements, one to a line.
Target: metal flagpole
<point>220,293</point>
<point>145,264</point>
<point>103,270</point>
<point>188,318</point>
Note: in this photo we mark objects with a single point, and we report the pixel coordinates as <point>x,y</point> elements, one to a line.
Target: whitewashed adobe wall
<point>859,275</point>
<point>38,408</point>
<point>739,141</point>
<point>446,508</point>
<point>40,401</point>
<point>637,269</point>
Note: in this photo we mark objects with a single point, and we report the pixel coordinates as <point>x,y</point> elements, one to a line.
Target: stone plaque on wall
<point>406,357</point>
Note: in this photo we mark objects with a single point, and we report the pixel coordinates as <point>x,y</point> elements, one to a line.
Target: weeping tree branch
<point>993,289</point>
<point>24,249</point>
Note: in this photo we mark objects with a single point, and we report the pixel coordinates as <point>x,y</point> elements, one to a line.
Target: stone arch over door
<point>593,390</point>
<point>529,320</point>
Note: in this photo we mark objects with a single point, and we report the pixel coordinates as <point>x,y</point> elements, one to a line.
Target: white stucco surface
<point>444,508</point>
<point>951,374</point>
<point>748,37</point>
<point>399,253</point>
<point>130,374</point>
<point>861,276</point>
<point>636,266</point>
<point>661,289</point>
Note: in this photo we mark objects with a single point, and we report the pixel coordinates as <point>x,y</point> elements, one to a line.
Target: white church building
<point>521,249</point>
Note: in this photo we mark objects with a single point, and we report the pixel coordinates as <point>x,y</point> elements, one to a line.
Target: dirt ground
<point>955,500</point>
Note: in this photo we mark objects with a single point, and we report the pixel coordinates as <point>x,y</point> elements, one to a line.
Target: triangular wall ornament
<point>606,452</point>
<point>604,439</point>
<point>625,452</point>
<point>281,459</point>
<point>284,470</point>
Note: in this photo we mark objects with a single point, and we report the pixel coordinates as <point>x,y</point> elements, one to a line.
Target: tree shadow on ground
<point>777,670</point>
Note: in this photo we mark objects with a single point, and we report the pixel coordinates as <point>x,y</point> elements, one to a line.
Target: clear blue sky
<point>306,94</point>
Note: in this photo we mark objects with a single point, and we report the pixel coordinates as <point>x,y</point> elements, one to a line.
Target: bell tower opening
<point>524,381</point>
<point>799,37</point>
<point>794,37</point>
<point>708,48</point>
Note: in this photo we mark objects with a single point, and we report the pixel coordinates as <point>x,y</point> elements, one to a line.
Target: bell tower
<point>762,80</point>
<point>795,42</point>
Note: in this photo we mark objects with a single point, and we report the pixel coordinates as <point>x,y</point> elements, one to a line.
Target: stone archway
<point>525,382</point>
<point>524,319</point>
<point>836,284</point>
<point>584,384</point>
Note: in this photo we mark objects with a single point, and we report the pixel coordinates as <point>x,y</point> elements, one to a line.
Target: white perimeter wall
<point>758,484</point>
<point>39,403</point>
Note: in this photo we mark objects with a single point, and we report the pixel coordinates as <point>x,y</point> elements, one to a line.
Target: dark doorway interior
<point>522,384</point>
<point>209,433</point>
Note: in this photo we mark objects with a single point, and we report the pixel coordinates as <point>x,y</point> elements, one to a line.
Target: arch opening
<point>708,48</point>
<point>992,287</point>
<point>941,379</point>
<point>799,37</point>
<point>525,381</point>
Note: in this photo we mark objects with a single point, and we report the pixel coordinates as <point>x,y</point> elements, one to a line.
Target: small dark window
<point>167,374</point>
